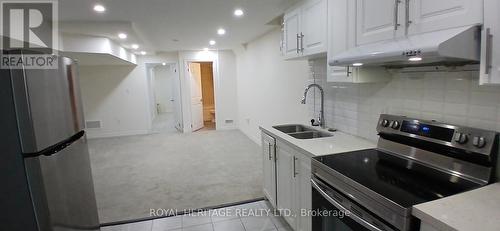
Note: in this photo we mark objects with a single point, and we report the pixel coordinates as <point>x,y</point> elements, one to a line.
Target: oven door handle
<point>352,215</point>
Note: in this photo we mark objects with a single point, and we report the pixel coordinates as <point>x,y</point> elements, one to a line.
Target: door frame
<point>213,58</point>
<point>151,99</point>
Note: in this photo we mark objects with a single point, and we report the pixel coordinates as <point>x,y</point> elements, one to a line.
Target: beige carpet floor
<point>173,171</point>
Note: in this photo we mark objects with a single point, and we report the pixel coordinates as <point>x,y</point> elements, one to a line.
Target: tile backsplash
<point>451,97</point>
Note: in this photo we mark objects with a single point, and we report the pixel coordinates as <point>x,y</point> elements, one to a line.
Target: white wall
<point>114,95</point>
<point>269,88</point>
<point>119,96</point>
<point>163,88</point>
<point>226,94</point>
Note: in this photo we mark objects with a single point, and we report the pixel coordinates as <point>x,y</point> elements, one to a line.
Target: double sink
<point>301,132</point>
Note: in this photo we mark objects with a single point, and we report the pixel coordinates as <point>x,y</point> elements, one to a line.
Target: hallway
<point>164,123</point>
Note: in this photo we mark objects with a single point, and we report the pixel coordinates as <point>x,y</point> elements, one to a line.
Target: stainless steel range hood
<point>455,46</point>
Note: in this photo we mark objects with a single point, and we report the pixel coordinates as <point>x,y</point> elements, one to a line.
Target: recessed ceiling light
<point>357,64</point>
<point>212,42</point>
<point>415,59</point>
<point>143,52</point>
<point>135,46</point>
<point>163,64</point>
<point>238,12</point>
<point>221,31</point>
<point>122,35</point>
<point>99,8</point>
<point>205,49</point>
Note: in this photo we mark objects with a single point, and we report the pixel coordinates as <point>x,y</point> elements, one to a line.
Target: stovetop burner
<point>403,181</point>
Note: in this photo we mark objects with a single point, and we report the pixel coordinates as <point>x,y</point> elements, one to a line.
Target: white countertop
<point>473,210</point>
<point>338,143</point>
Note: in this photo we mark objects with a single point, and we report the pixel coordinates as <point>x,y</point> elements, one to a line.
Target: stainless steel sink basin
<point>310,135</point>
<point>301,132</point>
<point>292,128</point>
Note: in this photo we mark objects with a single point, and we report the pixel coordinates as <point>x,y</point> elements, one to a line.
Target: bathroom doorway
<point>202,96</point>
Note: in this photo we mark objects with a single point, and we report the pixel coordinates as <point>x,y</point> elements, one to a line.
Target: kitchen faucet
<point>322,111</point>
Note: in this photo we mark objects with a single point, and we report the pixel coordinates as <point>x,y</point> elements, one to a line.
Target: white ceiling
<point>154,24</point>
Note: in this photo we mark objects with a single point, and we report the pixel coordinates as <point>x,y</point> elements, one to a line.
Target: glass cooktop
<point>403,181</point>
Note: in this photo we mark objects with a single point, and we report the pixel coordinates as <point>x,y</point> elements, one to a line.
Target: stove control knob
<point>478,141</point>
<point>395,125</point>
<point>461,138</point>
<point>385,123</point>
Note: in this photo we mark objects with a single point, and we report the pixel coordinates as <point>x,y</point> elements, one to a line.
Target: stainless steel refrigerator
<point>45,167</point>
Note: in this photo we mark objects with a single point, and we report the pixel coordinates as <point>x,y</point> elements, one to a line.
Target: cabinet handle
<point>396,14</point>
<point>489,40</point>
<point>298,47</point>
<point>408,21</point>
<point>269,148</point>
<point>349,72</point>
<point>301,42</point>
<point>294,167</point>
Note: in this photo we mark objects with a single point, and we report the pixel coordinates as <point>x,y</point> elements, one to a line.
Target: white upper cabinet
<point>314,20</point>
<point>490,44</point>
<point>431,15</point>
<point>305,30</point>
<point>341,37</point>
<point>378,20</point>
<point>291,33</point>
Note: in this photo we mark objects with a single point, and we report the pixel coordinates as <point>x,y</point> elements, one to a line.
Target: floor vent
<point>93,124</point>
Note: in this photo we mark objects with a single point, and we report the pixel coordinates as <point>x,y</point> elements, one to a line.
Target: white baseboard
<point>97,134</point>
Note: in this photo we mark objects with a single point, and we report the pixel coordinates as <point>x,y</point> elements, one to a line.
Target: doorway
<point>202,96</point>
<point>165,96</point>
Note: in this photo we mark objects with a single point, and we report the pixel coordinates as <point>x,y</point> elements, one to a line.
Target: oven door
<point>333,211</point>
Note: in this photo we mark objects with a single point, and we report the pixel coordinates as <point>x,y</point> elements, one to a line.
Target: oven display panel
<point>439,133</point>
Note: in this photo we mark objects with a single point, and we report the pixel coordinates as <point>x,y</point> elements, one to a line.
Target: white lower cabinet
<point>303,192</point>
<point>269,167</point>
<point>293,172</point>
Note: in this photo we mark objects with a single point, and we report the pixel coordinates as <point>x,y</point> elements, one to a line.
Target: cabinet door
<point>490,44</point>
<point>378,20</point>
<point>286,182</point>
<point>314,27</point>
<point>340,13</point>
<point>269,167</point>
<point>291,22</point>
<point>339,75</point>
<point>303,192</point>
<point>432,15</point>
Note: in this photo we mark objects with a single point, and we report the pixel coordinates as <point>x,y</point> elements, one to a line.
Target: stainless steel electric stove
<point>415,161</point>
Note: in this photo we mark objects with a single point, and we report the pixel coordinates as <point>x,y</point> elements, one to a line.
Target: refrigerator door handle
<point>56,147</point>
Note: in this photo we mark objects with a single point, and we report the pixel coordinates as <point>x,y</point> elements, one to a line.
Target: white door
<point>286,182</point>
<point>314,27</point>
<point>303,191</point>
<point>490,44</point>
<point>196,96</point>
<point>269,181</point>
<point>432,15</point>
<point>291,33</point>
<point>176,98</point>
<point>378,20</point>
